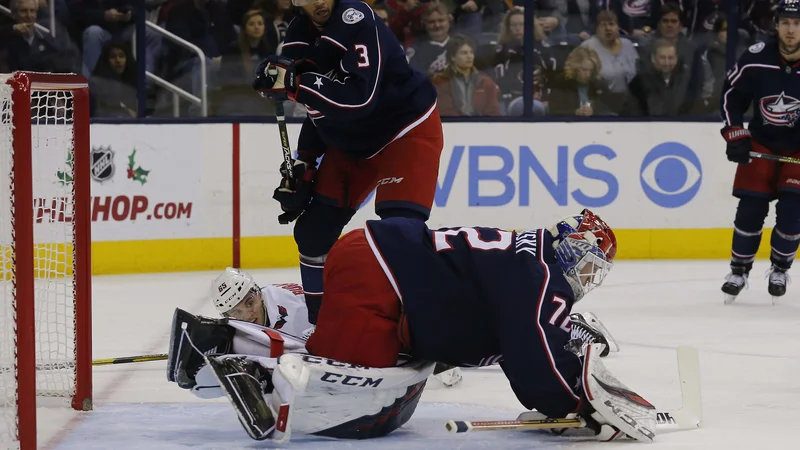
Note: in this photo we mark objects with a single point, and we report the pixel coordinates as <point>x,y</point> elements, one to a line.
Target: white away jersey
<point>286,308</point>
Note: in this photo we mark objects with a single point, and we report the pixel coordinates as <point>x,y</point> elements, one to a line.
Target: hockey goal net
<point>45,271</point>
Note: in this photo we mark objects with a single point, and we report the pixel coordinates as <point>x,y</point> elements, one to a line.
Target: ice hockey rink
<point>749,359</point>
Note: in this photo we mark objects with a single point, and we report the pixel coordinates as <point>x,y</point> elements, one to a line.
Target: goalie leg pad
<point>244,382</point>
<point>330,398</point>
<point>192,337</point>
<point>616,405</point>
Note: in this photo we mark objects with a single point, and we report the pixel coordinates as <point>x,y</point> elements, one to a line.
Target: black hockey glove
<point>295,193</point>
<point>739,144</point>
<point>276,77</point>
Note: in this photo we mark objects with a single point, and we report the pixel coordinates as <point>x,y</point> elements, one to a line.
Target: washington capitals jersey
<point>363,94</point>
<point>478,296</point>
<point>763,79</point>
<point>285,306</point>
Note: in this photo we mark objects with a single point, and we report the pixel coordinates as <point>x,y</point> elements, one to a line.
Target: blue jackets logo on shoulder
<point>351,16</point>
<point>780,110</point>
<point>755,48</point>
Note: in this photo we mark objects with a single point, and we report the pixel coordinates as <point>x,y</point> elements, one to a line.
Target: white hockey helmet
<point>230,288</point>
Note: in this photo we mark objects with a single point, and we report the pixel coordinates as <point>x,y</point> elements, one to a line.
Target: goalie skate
<point>244,382</point>
<point>447,375</point>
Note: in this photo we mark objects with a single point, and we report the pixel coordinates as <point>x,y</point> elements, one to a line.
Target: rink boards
<point>165,196</point>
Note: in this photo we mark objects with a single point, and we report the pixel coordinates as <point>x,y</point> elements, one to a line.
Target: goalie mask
<point>585,247</point>
<point>235,294</point>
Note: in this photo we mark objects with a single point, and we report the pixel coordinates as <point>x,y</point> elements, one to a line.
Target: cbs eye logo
<point>671,175</point>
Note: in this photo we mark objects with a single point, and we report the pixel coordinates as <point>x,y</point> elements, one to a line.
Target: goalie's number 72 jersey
<point>476,296</point>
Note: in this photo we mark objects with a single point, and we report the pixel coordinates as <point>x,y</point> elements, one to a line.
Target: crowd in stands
<point>590,57</point>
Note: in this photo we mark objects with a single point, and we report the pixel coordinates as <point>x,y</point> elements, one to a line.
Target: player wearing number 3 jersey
<point>467,297</point>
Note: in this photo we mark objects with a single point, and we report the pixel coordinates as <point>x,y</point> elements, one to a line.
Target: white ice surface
<point>749,357</point>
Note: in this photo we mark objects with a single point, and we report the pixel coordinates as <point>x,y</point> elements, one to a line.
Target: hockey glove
<point>295,193</point>
<point>276,78</point>
<point>739,144</point>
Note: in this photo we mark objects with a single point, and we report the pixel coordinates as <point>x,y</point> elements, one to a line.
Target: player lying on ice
<point>400,296</point>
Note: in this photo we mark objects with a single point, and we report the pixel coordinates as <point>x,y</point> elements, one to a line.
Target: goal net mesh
<point>53,238</point>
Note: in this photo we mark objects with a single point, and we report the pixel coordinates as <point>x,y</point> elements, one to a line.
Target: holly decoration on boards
<point>65,177</point>
<point>136,173</point>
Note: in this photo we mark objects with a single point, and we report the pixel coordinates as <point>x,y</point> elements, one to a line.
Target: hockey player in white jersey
<point>235,294</point>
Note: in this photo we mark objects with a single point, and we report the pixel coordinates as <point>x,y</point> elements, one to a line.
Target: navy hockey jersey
<point>363,93</point>
<point>763,79</point>
<point>477,296</point>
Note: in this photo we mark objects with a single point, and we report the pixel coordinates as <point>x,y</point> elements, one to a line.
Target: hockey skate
<point>778,279</point>
<point>734,283</point>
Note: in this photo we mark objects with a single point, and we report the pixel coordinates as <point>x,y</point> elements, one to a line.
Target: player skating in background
<point>467,296</point>
<point>768,77</point>
<point>370,114</point>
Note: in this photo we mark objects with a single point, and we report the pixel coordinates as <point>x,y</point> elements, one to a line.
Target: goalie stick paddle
<point>777,158</point>
<point>688,416</point>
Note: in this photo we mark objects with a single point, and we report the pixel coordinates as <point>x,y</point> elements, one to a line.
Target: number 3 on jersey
<point>474,239</point>
<point>363,58</point>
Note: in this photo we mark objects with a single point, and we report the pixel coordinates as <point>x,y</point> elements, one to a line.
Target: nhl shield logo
<point>102,164</point>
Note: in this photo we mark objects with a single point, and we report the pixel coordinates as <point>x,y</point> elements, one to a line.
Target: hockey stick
<point>776,158</point>
<point>98,362</point>
<point>687,417</point>
<point>288,161</point>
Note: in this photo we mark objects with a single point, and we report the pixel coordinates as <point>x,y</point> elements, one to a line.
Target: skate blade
<point>729,299</point>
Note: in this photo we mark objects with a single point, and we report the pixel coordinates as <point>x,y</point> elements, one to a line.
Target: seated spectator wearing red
<point>579,90</point>
<point>112,85</point>
<point>462,89</point>
<point>662,87</point>
<point>428,53</point>
<point>29,48</point>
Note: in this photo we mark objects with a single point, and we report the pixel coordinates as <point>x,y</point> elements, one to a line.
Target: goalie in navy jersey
<point>468,297</point>
<point>371,115</point>
<point>767,76</point>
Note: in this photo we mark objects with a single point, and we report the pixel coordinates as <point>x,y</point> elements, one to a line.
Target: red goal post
<point>45,249</point>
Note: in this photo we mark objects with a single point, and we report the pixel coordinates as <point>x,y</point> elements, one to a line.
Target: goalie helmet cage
<point>45,244</point>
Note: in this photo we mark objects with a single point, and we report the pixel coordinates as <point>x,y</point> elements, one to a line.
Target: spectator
<point>205,24</point>
<point>113,83</point>
<point>462,89</point>
<point>278,13</point>
<point>662,87</point>
<point>581,17</point>
<point>508,60</point>
<point>689,57</point>
<point>234,96</point>
<point>29,48</point>
<point>548,17</point>
<point>579,90</point>
<point>636,17</point>
<point>382,12</point>
<point>467,16</point>
<point>405,19</point>
<point>617,55</point>
<point>714,58</point>
<point>428,54</point>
